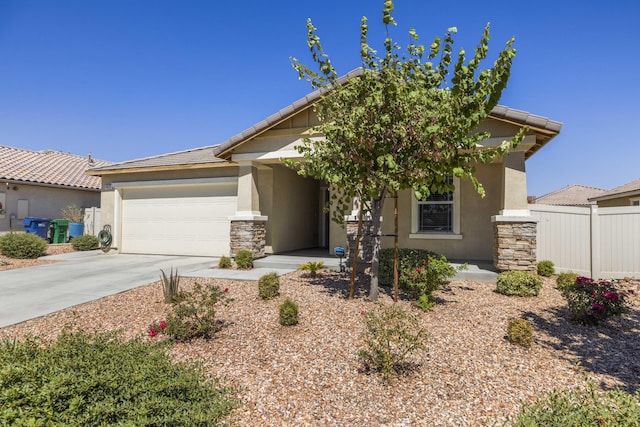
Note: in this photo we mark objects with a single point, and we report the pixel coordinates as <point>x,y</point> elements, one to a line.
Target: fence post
<point>595,243</point>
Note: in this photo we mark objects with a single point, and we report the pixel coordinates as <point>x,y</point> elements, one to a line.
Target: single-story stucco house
<point>215,200</point>
<point>42,183</point>
<point>624,195</point>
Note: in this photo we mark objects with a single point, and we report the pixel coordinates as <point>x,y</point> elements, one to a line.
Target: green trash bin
<point>58,230</point>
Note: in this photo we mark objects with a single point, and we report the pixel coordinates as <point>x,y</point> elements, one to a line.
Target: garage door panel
<point>178,221</point>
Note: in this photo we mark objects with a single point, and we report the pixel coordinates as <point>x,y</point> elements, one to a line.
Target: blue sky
<point>130,79</point>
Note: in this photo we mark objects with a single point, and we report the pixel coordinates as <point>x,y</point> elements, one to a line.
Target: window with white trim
<point>635,201</point>
<point>437,216</point>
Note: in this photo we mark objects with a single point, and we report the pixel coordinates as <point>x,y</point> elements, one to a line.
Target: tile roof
<point>545,129</point>
<point>48,167</point>
<point>571,195</point>
<point>629,189</point>
<point>194,156</point>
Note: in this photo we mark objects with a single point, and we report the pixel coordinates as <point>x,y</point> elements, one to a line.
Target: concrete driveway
<point>27,293</point>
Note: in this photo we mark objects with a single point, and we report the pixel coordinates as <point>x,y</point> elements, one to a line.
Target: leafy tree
<point>407,121</point>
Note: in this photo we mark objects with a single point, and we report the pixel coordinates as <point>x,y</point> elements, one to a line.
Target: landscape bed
<point>309,374</point>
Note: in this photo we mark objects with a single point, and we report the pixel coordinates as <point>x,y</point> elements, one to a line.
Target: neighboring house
<point>41,183</point>
<point>571,195</point>
<point>625,195</point>
<point>215,200</point>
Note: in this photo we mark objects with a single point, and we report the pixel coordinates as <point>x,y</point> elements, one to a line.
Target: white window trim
<point>449,235</point>
<point>634,200</point>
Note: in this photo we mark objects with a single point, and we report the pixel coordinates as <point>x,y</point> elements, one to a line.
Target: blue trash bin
<point>37,226</point>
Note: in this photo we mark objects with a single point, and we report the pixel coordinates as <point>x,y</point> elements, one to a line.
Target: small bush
<point>392,335</point>
<point>592,302</point>
<point>22,245</point>
<point>225,262</point>
<point>170,285</point>
<point>432,274</point>
<point>520,331</point>
<point>193,313</point>
<point>244,259</point>
<point>519,283</point>
<point>86,242</point>
<point>103,380</point>
<point>269,286</point>
<point>288,313</point>
<point>546,268</point>
<point>565,279</point>
<point>580,407</point>
<point>312,267</point>
<point>425,302</point>
<point>408,259</point>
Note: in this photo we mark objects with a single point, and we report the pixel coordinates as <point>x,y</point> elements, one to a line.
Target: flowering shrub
<point>156,327</point>
<point>431,275</point>
<point>592,302</point>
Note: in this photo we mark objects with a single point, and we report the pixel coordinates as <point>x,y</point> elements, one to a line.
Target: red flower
<point>362,313</point>
<point>152,331</point>
<point>418,270</point>
<point>163,325</point>
<point>226,289</point>
<point>424,262</point>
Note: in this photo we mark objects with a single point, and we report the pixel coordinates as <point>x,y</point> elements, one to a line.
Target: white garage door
<point>178,220</point>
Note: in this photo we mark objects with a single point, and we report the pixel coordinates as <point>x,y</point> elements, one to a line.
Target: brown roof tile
<point>629,189</point>
<point>571,195</point>
<point>48,167</point>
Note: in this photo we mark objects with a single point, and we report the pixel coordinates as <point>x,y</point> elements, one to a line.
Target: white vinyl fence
<point>590,241</point>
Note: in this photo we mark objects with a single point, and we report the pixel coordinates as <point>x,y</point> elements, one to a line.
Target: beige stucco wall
<point>620,201</point>
<point>44,202</point>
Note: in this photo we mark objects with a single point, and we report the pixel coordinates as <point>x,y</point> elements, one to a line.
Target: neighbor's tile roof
<point>48,167</point>
<point>629,189</point>
<point>571,195</point>
<point>195,156</point>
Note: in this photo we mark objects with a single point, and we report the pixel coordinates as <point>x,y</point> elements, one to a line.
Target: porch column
<point>514,228</point>
<point>248,229</point>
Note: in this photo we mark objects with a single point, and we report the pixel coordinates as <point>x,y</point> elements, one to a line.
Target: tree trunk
<point>354,266</point>
<point>376,225</point>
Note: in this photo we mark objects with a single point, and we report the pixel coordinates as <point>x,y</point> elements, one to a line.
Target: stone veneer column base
<point>365,249</point>
<point>515,243</point>
<point>249,235</point>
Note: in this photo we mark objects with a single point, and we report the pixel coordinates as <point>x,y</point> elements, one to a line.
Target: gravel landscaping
<point>7,263</point>
<point>309,374</point>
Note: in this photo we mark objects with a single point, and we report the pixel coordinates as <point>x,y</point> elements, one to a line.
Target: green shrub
<point>425,302</point>
<point>269,286</point>
<point>580,407</point>
<point>391,336</point>
<point>170,285</point>
<point>100,380</point>
<point>520,331</point>
<point>520,283</point>
<point>193,313</point>
<point>312,267</point>
<point>565,279</point>
<point>592,302</point>
<point>225,262</point>
<point>86,242</point>
<point>22,245</point>
<point>244,259</point>
<point>432,274</point>
<point>408,259</point>
<point>546,268</point>
<point>288,313</point>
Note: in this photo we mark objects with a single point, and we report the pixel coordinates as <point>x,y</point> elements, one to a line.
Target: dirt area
<point>309,374</point>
